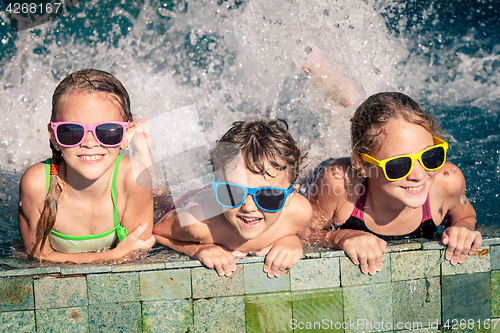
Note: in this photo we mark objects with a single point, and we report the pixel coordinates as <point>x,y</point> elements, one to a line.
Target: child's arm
<point>330,193</point>
<point>286,252</point>
<point>31,201</point>
<point>460,235</point>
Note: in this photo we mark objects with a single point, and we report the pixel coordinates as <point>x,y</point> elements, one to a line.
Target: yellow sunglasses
<point>399,167</point>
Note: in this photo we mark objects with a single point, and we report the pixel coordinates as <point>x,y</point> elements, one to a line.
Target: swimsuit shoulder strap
<point>48,162</point>
<point>121,232</point>
<point>359,208</point>
<point>426,209</point>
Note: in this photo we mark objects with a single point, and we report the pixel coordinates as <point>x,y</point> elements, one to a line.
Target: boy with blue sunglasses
<point>251,205</point>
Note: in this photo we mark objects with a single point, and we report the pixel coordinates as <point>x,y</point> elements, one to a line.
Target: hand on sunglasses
<point>461,240</point>
<point>282,254</point>
<point>214,256</point>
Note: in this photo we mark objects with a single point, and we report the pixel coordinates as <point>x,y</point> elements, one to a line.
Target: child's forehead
<point>237,171</point>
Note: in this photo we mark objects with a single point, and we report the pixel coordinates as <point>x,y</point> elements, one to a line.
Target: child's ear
<point>53,138</point>
<point>128,135</point>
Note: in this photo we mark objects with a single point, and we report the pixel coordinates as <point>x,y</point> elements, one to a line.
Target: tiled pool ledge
<point>168,292</point>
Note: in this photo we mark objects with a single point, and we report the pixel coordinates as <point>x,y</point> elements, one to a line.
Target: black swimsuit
<point>427,227</point>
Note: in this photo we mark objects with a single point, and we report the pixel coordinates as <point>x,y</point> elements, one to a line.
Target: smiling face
<point>401,138</point>
<point>248,220</point>
<point>89,159</point>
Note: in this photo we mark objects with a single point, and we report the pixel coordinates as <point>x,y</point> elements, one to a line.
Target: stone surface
<point>478,262</point>
<point>166,284</point>
<point>256,280</point>
<point>224,314</point>
<point>495,257</point>
<point>269,312</point>
<point>17,321</point>
<point>315,274</point>
<point>495,294</point>
<point>367,305</point>
<point>74,319</point>
<point>115,317</point>
<point>415,264</point>
<point>207,283</point>
<point>67,292</point>
<point>16,294</point>
<point>109,288</point>
<point>351,274</point>
<point>167,316</point>
<point>417,301</point>
<point>318,310</point>
<point>466,296</point>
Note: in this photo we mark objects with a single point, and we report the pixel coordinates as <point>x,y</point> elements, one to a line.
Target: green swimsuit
<point>87,243</point>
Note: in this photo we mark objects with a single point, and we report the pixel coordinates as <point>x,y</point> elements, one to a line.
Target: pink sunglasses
<point>108,134</point>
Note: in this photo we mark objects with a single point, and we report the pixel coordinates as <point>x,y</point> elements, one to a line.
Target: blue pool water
<point>230,58</point>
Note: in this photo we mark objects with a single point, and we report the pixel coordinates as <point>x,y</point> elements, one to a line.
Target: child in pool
<point>396,185</point>
<point>85,198</point>
<point>251,207</point>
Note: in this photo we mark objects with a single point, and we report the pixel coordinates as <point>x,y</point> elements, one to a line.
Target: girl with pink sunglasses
<point>85,200</point>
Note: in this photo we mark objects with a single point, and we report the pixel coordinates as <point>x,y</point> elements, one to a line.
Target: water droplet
<point>308,50</point>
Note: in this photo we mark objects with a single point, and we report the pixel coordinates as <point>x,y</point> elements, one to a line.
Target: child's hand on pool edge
<point>363,248</point>
<point>282,254</point>
<point>132,242</point>
<point>461,239</point>
<point>218,258</point>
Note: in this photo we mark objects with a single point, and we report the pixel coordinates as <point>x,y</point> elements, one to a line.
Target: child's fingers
<point>476,244</point>
<point>264,251</point>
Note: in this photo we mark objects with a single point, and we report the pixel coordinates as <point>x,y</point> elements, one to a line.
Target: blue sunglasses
<point>269,199</point>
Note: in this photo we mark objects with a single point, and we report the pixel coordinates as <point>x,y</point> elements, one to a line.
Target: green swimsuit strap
<point>121,232</point>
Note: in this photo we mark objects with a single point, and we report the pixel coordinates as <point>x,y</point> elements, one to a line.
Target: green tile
<point>33,271</point>
<point>222,314</point>
<point>17,321</point>
<point>135,267</point>
<point>167,284</point>
<point>74,319</point>
<point>16,294</point>
<point>108,288</point>
<point>465,296</point>
<point>315,274</point>
<point>409,328</point>
<point>368,306</point>
<point>167,316</point>
<point>115,317</point>
<point>75,270</point>
<point>490,240</point>
<point>415,264</point>
<point>256,280</point>
<point>495,294</point>
<point>351,274</point>
<point>333,254</point>
<point>433,245</point>
<point>207,283</point>
<point>417,301</point>
<point>479,262</point>
<point>403,246</point>
<point>269,312</point>
<point>495,257</point>
<point>51,292</point>
<point>317,311</point>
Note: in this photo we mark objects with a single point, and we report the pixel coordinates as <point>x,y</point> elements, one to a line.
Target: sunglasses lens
<point>398,167</point>
<point>70,134</point>
<point>230,195</point>
<point>270,199</point>
<point>433,158</point>
<point>109,134</point>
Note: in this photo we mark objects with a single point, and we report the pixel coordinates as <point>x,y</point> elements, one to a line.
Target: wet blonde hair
<point>87,80</point>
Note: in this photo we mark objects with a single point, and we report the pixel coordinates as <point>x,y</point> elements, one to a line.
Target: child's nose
<point>89,141</point>
<point>249,204</point>
<point>418,172</point>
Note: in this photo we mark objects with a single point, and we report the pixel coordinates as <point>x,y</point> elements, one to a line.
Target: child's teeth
<point>249,219</point>
<point>90,157</point>
<point>414,189</point>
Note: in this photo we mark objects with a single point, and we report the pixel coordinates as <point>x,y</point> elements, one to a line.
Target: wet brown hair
<point>376,111</point>
<point>87,80</point>
<point>259,142</point>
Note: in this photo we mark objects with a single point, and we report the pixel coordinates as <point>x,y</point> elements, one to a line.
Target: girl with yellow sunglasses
<point>396,185</point>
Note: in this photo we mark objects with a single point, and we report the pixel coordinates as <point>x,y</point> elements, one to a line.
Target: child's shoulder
<point>450,180</point>
<point>300,209</point>
<point>134,174</point>
<point>34,179</point>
